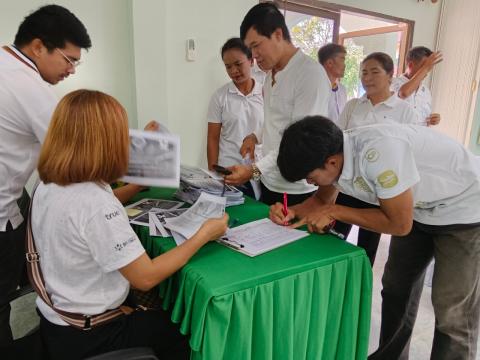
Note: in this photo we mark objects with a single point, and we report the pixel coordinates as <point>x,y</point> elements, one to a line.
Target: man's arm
<point>395,216</point>
<point>412,85</point>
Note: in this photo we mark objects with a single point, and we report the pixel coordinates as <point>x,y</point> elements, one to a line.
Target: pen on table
<point>231,243</point>
<point>285,207</point>
<point>335,233</point>
<point>329,229</point>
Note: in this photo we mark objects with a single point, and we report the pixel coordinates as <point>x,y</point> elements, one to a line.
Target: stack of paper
<point>260,236</point>
<point>194,181</point>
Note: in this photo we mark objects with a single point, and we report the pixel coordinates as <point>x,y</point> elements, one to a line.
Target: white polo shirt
<point>337,102</point>
<point>301,88</point>
<point>82,234</point>
<point>383,161</point>
<point>26,105</point>
<point>420,100</point>
<point>240,115</point>
<point>361,112</point>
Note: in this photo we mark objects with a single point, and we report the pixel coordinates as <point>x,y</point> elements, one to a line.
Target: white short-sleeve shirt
<point>383,161</point>
<point>420,100</point>
<point>83,236</point>
<point>361,112</point>
<point>240,115</point>
<point>337,102</point>
<point>301,88</point>
<point>26,106</point>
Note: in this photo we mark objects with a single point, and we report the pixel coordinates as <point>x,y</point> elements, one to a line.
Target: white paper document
<point>260,236</point>
<point>207,207</point>
<point>154,159</point>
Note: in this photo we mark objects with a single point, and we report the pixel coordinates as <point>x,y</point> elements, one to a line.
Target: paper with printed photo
<point>154,159</point>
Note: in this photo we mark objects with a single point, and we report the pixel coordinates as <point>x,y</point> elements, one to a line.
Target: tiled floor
<point>23,315</point>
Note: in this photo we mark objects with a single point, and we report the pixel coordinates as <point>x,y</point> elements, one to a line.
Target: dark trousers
<point>151,328</point>
<point>367,239</point>
<point>271,197</point>
<point>455,291</point>
<point>12,268</point>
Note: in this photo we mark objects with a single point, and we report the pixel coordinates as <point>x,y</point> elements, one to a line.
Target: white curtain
<point>455,80</point>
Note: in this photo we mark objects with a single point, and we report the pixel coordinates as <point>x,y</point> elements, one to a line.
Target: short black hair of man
<point>264,18</point>
<point>306,145</point>
<point>54,26</point>
<point>236,43</point>
<point>417,53</point>
<point>383,59</point>
<point>329,51</point>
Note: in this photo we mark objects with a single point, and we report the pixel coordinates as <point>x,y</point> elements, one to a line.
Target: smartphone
<point>221,170</point>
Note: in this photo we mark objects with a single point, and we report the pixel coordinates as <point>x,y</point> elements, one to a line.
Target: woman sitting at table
<point>379,105</point>
<point>235,110</point>
<point>89,254</point>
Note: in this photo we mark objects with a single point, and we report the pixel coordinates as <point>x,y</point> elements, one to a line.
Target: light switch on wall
<point>190,55</point>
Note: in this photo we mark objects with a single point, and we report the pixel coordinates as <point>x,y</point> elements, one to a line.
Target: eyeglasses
<point>74,63</point>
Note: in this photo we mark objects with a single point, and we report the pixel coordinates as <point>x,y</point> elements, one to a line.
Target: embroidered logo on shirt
<point>112,215</point>
<point>372,155</point>
<point>362,184</point>
<point>122,245</point>
<point>388,179</point>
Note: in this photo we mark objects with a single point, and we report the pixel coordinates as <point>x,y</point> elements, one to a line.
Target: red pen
<point>285,207</point>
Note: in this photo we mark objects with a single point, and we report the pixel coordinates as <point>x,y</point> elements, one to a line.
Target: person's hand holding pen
<point>320,221</point>
<point>278,215</point>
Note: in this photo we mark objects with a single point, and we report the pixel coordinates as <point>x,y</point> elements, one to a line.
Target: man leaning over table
<point>428,202</point>
<point>296,86</point>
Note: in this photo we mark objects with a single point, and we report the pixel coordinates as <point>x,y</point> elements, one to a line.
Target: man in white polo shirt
<point>428,189</point>
<point>410,86</point>
<point>296,86</point>
<point>332,57</point>
<point>46,50</point>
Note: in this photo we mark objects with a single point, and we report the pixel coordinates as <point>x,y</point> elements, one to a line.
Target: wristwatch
<point>256,172</point>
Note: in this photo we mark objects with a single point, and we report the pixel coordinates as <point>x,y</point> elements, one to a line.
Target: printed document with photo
<point>154,159</point>
<point>138,212</point>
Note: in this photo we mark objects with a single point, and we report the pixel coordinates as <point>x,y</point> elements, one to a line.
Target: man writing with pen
<point>428,200</point>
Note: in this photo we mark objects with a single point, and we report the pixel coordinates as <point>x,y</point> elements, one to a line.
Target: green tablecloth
<point>310,299</point>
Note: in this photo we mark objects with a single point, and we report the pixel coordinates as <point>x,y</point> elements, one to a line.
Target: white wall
<point>169,88</point>
<point>108,65</point>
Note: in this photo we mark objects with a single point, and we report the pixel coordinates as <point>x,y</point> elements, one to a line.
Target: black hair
<point>417,53</point>
<point>306,145</point>
<point>329,51</point>
<point>236,43</point>
<point>384,59</point>
<point>54,26</point>
<point>265,18</point>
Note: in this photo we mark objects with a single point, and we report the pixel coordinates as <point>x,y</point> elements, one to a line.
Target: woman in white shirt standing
<point>235,109</point>
<point>378,105</point>
<point>89,254</point>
